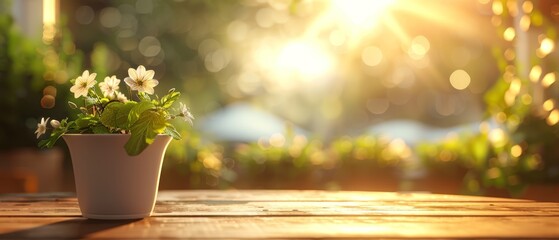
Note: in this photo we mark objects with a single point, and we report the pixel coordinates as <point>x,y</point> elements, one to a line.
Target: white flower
<point>141,80</point>
<point>55,123</point>
<point>185,112</point>
<point>42,127</point>
<point>83,84</point>
<point>109,86</point>
<point>121,97</point>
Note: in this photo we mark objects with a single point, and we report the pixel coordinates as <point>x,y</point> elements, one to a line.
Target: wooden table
<point>287,214</point>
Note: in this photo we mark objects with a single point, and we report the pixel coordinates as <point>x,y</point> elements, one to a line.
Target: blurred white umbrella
<point>242,122</point>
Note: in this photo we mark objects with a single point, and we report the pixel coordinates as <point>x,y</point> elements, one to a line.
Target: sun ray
<point>453,19</point>
<point>393,26</point>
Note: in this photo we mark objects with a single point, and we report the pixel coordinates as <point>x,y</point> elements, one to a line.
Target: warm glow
<point>527,6</point>
<point>512,8</point>
<point>460,79</point>
<point>525,22</point>
<point>496,21</point>
<point>510,97</point>
<point>553,117</point>
<point>371,56</point>
<point>420,45</point>
<point>515,86</point>
<point>49,20</point>
<point>548,79</point>
<point>509,34</point>
<point>361,13</point>
<point>400,147</point>
<point>516,151</point>
<point>498,137</point>
<point>305,59</point>
<point>337,38</point>
<point>547,46</point>
<point>277,140</point>
<point>535,73</point>
<point>497,7</point>
<point>510,54</point>
<point>548,105</point>
<point>49,12</point>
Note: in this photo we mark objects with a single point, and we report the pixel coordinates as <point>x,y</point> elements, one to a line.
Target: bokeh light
<point>548,79</point>
<point>371,56</point>
<point>509,34</point>
<point>419,47</point>
<point>553,117</point>
<point>305,59</point>
<point>535,73</point>
<point>361,14</point>
<point>460,79</point>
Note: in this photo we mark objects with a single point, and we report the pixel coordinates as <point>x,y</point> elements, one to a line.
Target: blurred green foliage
<point>27,66</point>
<point>523,149</point>
<point>290,161</point>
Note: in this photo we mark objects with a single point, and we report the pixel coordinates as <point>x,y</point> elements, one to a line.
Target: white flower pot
<point>109,183</point>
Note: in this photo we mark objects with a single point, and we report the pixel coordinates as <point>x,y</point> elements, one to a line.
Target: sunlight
<point>49,12</point>
<point>361,13</point>
<point>304,59</point>
<point>49,20</point>
<point>348,21</point>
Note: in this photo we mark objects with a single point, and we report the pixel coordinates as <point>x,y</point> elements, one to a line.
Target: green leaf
<point>83,122</point>
<point>108,117</point>
<point>116,114</point>
<point>144,131</point>
<point>172,131</point>
<point>123,114</point>
<point>144,96</point>
<point>168,100</point>
<point>137,110</point>
<point>100,129</point>
<point>52,139</point>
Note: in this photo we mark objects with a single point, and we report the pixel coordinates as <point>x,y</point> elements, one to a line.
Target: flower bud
<point>72,105</point>
<point>55,123</point>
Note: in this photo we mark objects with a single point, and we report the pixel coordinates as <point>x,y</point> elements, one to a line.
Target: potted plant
<point>116,143</point>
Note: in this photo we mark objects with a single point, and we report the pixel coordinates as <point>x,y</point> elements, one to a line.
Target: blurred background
<point>384,95</point>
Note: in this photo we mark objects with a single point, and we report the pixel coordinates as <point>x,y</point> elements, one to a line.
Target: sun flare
<point>361,13</point>
<point>304,58</point>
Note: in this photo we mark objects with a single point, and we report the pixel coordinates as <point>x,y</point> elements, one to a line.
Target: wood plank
<point>222,208</point>
<point>284,227</point>
<point>293,214</point>
<point>281,195</point>
<point>319,195</point>
<point>68,206</point>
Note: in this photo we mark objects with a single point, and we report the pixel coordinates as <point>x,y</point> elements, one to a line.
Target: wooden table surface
<point>287,214</point>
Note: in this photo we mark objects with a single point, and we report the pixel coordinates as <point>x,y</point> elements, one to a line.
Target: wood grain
<point>291,214</point>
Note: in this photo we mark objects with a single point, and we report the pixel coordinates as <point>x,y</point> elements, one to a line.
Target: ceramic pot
<point>110,184</point>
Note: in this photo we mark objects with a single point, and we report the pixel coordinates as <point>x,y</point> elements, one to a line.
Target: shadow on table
<point>73,228</point>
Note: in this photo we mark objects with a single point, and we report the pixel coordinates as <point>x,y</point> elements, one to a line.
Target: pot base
<point>116,217</point>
